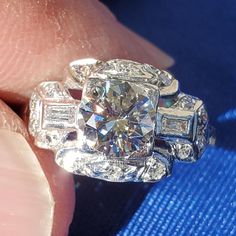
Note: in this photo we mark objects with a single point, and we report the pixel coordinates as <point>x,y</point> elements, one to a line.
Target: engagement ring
<point>118,121</point>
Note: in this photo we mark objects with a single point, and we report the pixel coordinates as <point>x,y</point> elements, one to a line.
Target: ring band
<point>118,121</point>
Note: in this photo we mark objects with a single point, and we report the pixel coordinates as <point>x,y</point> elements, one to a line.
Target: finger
<point>39,38</point>
<point>37,198</point>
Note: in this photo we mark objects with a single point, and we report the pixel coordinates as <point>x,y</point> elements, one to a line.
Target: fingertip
<point>37,196</point>
<point>65,35</point>
<point>147,52</point>
<point>62,187</point>
<point>27,204</point>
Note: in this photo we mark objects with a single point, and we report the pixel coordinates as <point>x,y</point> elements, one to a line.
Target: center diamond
<point>117,117</point>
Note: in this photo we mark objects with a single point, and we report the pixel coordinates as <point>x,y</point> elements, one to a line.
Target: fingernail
<point>154,55</point>
<point>137,48</point>
<point>163,59</point>
<point>26,206</point>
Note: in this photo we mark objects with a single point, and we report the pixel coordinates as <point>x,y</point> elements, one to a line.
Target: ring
<point>118,121</point>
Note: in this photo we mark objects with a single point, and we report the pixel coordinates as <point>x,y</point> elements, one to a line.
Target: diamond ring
<point>118,121</point>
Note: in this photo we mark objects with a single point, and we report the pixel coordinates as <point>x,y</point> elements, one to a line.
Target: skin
<point>38,39</point>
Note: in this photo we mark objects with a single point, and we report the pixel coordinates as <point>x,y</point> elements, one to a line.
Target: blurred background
<point>199,199</point>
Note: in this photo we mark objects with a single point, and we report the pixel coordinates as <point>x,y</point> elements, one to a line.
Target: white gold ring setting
<point>118,121</point>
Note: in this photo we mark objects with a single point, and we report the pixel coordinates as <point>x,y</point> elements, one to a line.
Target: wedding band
<point>118,121</point>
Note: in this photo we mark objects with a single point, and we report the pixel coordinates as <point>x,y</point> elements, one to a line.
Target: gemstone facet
<point>121,114</point>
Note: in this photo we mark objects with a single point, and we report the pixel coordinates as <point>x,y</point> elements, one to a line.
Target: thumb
<point>37,198</point>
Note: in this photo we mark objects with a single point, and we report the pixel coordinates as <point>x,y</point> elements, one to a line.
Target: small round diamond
<point>201,142</point>
<point>187,103</point>
<point>184,151</point>
<point>166,78</point>
<point>154,171</point>
<point>53,138</point>
<point>203,117</point>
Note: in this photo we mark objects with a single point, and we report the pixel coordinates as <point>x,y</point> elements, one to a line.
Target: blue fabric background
<point>199,199</point>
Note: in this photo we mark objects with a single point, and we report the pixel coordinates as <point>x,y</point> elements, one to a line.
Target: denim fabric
<point>200,198</point>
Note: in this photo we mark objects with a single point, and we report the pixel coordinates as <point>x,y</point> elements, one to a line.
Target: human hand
<point>38,39</point>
